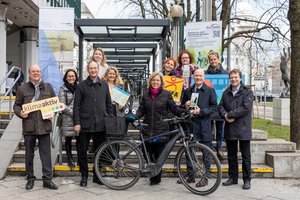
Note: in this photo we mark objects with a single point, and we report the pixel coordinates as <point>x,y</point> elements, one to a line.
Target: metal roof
<point>137,38</point>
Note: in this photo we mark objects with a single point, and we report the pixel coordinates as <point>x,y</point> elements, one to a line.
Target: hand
<point>228,120</point>
<point>24,114</point>
<point>178,103</point>
<point>195,111</point>
<point>120,107</point>
<point>51,116</point>
<point>77,128</point>
<point>188,103</point>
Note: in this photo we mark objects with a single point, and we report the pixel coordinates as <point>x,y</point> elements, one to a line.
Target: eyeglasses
<point>182,58</point>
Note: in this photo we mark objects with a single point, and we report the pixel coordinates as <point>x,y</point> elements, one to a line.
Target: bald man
<point>205,105</point>
<point>35,127</point>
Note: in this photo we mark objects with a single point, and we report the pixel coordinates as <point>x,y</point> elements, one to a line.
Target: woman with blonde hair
<point>156,104</point>
<point>112,77</point>
<point>100,58</point>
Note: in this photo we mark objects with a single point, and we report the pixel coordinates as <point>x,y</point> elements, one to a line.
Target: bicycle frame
<point>167,149</point>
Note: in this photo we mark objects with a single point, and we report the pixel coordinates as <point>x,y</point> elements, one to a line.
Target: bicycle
<point>119,163</point>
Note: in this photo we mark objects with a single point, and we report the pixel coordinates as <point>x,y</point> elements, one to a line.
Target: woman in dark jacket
<point>216,68</point>
<point>155,106</point>
<point>66,95</point>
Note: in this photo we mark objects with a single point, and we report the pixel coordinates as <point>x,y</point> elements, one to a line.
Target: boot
<point>69,154</point>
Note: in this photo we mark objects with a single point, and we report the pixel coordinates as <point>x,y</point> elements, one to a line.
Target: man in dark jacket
<point>236,108</point>
<point>206,104</point>
<point>216,68</point>
<point>35,127</point>
<point>92,102</point>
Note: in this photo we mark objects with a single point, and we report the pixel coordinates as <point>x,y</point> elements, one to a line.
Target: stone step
<point>260,148</point>
<point>4,123</point>
<point>258,170</point>
<point>287,164</point>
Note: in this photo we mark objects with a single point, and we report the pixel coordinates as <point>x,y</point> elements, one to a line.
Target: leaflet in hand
<point>119,96</point>
<point>194,100</point>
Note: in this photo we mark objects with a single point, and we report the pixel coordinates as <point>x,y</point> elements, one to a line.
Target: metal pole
<point>265,90</point>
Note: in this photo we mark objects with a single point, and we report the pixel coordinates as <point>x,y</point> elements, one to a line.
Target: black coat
<point>238,107</point>
<point>155,110</point>
<point>92,102</point>
<point>207,102</point>
<point>220,70</point>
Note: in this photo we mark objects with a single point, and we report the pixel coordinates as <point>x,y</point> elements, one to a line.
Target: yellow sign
<point>47,106</point>
<point>174,85</point>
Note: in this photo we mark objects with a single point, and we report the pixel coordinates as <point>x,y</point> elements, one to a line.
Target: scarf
<point>70,87</point>
<point>154,92</point>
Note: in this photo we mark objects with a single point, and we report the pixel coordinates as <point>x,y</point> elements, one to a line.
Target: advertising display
<point>202,37</point>
<point>56,43</point>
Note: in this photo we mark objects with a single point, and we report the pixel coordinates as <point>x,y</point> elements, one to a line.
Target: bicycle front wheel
<point>199,169</point>
<point>118,164</point>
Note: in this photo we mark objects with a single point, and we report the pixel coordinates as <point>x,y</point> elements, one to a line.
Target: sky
<point>105,9</point>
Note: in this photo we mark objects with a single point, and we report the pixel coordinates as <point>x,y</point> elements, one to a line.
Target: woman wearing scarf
<point>66,96</point>
<point>156,105</point>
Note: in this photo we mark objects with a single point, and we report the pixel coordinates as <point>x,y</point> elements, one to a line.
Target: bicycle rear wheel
<point>196,175</point>
<point>118,164</point>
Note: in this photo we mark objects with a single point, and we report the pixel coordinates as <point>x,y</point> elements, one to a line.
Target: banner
<point>174,85</point>
<point>202,37</point>
<point>219,82</point>
<point>56,41</point>
<point>47,106</point>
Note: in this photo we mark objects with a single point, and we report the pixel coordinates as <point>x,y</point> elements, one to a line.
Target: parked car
<point>269,96</point>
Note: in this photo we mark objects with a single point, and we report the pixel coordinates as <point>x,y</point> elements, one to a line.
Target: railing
<point>9,90</point>
<point>56,137</point>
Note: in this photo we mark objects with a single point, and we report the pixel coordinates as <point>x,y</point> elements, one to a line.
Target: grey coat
<point>66,97</point>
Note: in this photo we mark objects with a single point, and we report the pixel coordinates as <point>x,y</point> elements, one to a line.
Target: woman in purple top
<point>185,58</point>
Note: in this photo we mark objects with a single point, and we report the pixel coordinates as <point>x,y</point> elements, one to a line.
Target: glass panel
<point>93,30</point>
<point>121,30</point>
<point>143,49</point>
<point>149,30</point>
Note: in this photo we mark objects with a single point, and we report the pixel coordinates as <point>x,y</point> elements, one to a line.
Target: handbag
<point>115,126</point>
<point>59,120</point>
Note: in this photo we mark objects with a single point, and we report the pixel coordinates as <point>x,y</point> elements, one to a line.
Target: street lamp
<point>176,12</point>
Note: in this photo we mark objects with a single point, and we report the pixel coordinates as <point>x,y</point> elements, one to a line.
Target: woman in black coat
<point>155,105</point>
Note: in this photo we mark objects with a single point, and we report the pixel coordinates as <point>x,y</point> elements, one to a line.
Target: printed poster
<point>202,37</point>
<point>56,43</point>
<point>119,96</point>
<point>174,85</point>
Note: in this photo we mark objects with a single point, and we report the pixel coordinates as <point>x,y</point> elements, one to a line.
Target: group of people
<point>88,102</point>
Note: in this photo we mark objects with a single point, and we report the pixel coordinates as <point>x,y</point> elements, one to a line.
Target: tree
<point>294,18</point>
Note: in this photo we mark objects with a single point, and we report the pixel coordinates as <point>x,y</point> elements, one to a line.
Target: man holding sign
<point>35,127</point>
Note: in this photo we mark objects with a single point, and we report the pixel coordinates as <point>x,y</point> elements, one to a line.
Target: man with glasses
<point>35,127</point>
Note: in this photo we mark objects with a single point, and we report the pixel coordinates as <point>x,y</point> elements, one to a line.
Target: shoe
<point>96,180</point>
<point>203,182</point>
<point>247,185</point>
<point>50,185</point>
<point>71,163</point>
<point>154,183</point>
<point>29,184</point>
<point>83,182</point>
<point>189,179</point>
<point>229,182</point>
<point>220,154</point>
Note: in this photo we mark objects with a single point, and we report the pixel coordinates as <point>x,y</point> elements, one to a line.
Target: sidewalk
<point>12,188</point>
